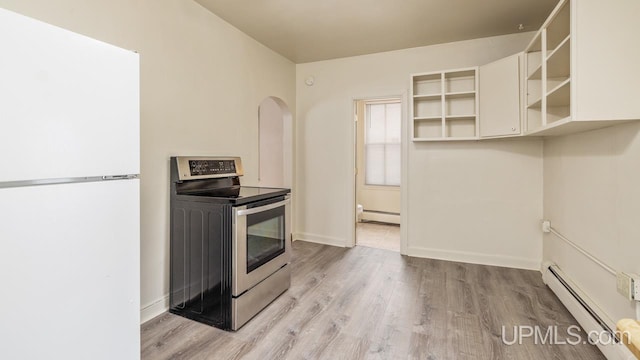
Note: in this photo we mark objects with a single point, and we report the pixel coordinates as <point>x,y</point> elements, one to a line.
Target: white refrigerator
<point>69,195</point>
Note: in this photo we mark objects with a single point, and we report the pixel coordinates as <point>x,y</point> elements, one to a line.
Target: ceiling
<point>306,31</point>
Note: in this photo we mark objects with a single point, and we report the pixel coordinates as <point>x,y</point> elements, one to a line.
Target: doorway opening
<point>275,144</point>
<point>378,149</point>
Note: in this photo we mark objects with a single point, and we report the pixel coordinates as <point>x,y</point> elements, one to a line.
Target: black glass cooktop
<point>238,194</point>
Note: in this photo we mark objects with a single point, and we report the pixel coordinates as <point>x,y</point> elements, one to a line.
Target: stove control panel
<point>212,167</point>
<point>192,168</point>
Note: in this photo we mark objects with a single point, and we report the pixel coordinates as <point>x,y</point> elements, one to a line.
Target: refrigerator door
<point>69,269</point>
<point>69,105</point>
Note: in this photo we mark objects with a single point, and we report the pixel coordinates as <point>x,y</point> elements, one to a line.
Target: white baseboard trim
<point>319,239</point>
<point>154,309</point>
<point>374,216</point>
<point>476,258</point>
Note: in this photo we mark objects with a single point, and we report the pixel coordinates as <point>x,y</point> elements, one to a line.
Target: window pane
<point>265,236</point>
<point>394,114</point>
<point>375,124</point>
<point>392,165</point>
<point>374,165</point>
<point>382,143</point>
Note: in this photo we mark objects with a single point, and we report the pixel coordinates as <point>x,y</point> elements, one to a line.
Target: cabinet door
<point>499,93</point>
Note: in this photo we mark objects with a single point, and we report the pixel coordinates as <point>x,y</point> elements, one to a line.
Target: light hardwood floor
<point>366,303</point>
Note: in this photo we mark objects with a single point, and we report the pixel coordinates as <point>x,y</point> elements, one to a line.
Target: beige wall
<point>201,83</point>
<point>470,201</point>
<point>592,197</point>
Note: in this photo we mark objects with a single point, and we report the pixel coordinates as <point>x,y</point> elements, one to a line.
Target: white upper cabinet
<point>444,105</point>
<point>467,104</point>
<point>581,68</point>
<point>578,73</point>
<point>499,94</point>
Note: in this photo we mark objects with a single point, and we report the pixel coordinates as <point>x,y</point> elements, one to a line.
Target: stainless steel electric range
<point>230,244</point>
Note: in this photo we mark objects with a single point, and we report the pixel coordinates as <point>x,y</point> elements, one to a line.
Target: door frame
<point>351,200</point>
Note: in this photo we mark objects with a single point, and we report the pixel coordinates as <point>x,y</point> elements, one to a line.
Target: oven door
<point>261,242</point>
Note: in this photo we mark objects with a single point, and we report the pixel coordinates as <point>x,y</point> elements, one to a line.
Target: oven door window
<point>265,237</point>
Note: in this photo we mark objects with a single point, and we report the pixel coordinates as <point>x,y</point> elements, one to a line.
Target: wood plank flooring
<point>366,303</point>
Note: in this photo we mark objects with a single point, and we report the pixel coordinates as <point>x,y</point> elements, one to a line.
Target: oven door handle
<point>246,212</point>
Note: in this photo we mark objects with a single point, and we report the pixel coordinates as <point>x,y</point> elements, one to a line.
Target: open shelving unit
<point>444,105</point>
<point>548,82</point>
<point>533,83</point>
<point>427,111</point>
<point>578,73</point>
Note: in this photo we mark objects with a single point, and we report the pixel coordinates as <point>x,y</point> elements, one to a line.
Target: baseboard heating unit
<point>589,316</point>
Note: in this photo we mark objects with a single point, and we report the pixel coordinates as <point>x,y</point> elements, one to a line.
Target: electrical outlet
<point>546,226</point>
<point>624,285</point>
<point>628,285</point>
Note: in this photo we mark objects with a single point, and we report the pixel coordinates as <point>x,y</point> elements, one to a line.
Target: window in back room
<point>382,143</point>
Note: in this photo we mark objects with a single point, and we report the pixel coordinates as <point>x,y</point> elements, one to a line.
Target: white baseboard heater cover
<point>588,315</point>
